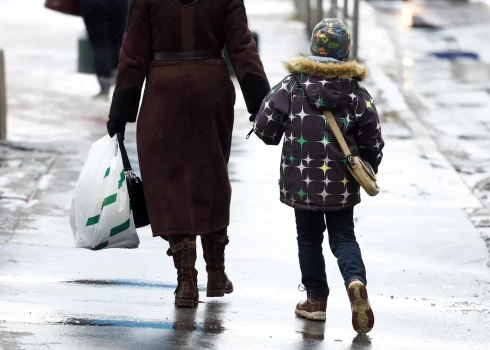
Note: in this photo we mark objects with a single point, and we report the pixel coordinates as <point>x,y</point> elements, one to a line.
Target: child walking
<point>314,178</point>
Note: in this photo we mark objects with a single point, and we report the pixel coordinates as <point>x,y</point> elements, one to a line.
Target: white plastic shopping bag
<point>101,214</point>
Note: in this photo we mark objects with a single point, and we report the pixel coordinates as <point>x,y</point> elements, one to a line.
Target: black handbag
<point>135,189</point>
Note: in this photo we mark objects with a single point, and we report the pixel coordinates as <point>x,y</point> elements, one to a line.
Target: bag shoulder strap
<point>337,133</point>
<point>124,154</point>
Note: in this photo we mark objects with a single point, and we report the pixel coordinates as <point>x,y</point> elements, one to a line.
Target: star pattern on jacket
<point>314,171</point>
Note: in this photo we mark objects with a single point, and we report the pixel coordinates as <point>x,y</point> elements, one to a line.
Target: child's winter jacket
<point>313,171</point>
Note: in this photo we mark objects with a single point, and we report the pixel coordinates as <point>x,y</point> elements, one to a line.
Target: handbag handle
<point>338,134</point>
<point>124,154</point>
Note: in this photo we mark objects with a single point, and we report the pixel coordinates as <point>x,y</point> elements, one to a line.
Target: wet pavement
<point>451,97</point>
<point>428,279</point>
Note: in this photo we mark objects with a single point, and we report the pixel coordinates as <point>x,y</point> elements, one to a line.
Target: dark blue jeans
<point>340,225</point>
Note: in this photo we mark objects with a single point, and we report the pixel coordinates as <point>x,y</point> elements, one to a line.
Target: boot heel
<point>188,303</point>
<point>183,251</point>
<point>215,294</point>
<point>214,254</point>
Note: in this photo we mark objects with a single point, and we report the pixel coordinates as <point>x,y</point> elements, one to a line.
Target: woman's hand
<point>115,126</point>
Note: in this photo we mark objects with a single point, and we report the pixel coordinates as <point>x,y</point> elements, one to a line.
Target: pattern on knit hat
<point>331,38</point>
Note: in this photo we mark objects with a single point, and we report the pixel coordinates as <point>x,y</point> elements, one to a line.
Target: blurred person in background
<point>185,123</point>
<point>106,22</point>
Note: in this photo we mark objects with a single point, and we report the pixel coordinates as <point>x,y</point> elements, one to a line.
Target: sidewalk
<point>429,283</point>
<point>451,97</point>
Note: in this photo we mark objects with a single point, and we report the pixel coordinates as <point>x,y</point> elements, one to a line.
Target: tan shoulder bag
<point>360,170</point>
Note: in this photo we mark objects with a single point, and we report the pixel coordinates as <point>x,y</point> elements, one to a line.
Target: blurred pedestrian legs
<point>106,23</point>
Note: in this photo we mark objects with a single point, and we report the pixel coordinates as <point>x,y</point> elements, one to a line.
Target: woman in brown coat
<point>185,122</point>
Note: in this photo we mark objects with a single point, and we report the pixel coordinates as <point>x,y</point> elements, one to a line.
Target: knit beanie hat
<point>331,38</point>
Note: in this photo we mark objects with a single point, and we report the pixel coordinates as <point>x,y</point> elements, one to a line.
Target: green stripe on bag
<point>102,246</point>
<point>93,220</point>
<point>118,229</point>
<point>109,200</point>
<point>121,180</point>
<point>107,172</point>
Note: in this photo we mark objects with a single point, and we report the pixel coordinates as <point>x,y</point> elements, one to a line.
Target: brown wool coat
<point>186,118</point>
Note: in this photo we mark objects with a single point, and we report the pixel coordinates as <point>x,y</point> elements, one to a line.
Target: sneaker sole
<point>313,316</point>
<point>362,314</point>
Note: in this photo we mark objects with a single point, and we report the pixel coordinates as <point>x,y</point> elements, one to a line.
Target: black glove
<point>253,117</point>
<point>115,126</point>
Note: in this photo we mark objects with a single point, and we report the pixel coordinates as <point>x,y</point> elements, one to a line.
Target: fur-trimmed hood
<point>330,85</point>
<point>330,70</point>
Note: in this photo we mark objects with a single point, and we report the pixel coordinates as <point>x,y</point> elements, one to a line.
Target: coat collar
<point>330,70</point>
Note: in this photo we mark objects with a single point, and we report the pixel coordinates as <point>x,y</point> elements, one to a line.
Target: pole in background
<point>346,10</point>
<point>3,99</point>
<point>309,25</point>
<point>334,9</point>
<point>304,12</point>
<point>355,26</point>
<point>319,11</point>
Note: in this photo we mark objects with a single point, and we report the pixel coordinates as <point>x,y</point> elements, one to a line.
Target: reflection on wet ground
<point>185,320</point>
<point>314,333</point>
<point>361,341</point>
<point>204,327</point>
<point>312,330</point>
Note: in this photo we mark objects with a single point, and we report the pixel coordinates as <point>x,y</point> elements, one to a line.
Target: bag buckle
<point>352,161</point>
<point>131,176</point>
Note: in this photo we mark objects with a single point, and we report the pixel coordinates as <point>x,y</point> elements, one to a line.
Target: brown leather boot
<point>213,246</point>
<point>183,251</point>
<point>314,308</point>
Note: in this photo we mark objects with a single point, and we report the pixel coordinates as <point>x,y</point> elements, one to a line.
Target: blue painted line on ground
<point>131,324</point>
<point>453,55</point>
<point>138,324</point>
<point>127,283</point>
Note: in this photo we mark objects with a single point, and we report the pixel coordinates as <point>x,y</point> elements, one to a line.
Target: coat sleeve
<point>244,56</point>
<point>273,116</point>
<point>134,61</point>
<point>369,138</point>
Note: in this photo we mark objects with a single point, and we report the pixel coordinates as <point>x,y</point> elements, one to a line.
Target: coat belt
<point>196,70</point>
<point>190,55</point>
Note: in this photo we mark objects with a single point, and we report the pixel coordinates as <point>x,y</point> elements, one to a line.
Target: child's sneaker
<point>314,308</point>
<point>362,314</point>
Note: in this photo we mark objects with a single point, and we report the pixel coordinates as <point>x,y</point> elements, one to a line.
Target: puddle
<point>187,324</point>
<point>126,283</point>
<point>115,323</point>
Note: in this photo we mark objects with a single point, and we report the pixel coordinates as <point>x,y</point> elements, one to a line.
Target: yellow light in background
<point>408,11</point>
<point>408,78</point>
<point>408,84</point>
<point>408,61</point>
<point>406,18</point>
